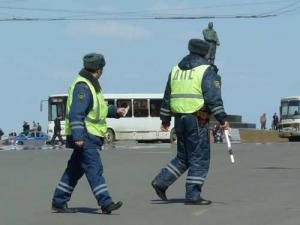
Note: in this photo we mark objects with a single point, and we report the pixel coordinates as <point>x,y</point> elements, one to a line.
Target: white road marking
<point>155,152</point>
<point>146,146</point>
<point>199,213</point>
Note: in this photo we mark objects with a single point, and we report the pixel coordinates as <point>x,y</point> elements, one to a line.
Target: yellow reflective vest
<point>95,121</point>
<point>186,92</point>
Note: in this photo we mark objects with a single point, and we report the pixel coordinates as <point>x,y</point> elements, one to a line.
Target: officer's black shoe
<point>113,206</point>
<point>160,192</point>
<point>63,209</point>
<point>200,201</point>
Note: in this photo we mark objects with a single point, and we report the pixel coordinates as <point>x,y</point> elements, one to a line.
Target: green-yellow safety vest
<point>186,92</point>
<point>95,121</point>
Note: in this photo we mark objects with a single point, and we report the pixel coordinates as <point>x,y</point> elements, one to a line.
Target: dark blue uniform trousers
<point>193,154</point>
<point>83,161</point>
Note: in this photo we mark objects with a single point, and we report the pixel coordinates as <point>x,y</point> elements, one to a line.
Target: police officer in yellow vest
<point>86,128</point>
<point>193,90</point>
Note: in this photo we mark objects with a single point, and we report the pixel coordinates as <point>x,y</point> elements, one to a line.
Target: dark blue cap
<point>93,61</point>
<point>198,46</point>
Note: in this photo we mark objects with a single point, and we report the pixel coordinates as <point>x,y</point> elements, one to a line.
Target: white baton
<point>229,146</point>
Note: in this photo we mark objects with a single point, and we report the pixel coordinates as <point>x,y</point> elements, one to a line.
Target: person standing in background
<point>275,122</point>
<point>1,133</point>
<point>39,127</point>
<point>263,121</point>
<point>34,126</point>
<point>26,127</point>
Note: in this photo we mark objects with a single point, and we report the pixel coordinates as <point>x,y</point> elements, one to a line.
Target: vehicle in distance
<point>31,139</point>
<point>141,122</point>
<point>289,126</point>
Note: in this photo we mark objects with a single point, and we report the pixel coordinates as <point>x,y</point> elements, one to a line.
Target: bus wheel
<point>110,136</point>
<point>20,143</point>
<point>173,137</point>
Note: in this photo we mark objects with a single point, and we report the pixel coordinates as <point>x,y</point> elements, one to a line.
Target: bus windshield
<point>290,108</point>
<point>57,107</point>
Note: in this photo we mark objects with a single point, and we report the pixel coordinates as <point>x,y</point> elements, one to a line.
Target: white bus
<point>289,126</point>
<point>142,121</point>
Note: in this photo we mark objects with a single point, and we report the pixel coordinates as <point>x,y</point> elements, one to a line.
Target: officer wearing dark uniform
<point>85,128</point>
<point>193,90</point>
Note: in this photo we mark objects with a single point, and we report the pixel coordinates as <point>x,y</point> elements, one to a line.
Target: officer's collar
<point>88,75</point>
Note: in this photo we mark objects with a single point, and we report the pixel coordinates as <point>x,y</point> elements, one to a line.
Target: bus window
<point>110,101</point>
<point>155,107</point>
<point>60,111</point>
<point>124,103</point>
<point>284,108</point>
<point>55,110</point>
<point>293,108</point>
<point>140,107</point>
<point>52,112</point>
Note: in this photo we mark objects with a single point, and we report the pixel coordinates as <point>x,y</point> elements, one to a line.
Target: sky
<point>257,58</point>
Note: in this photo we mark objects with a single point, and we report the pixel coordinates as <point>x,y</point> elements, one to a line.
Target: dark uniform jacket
<point>82,104</point>
<point>211,88</point>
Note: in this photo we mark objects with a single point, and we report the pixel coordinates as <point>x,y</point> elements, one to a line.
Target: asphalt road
<point>262,188</point>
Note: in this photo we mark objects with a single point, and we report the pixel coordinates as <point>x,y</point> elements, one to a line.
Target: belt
<point>184,114</point>
<point>198,113</point>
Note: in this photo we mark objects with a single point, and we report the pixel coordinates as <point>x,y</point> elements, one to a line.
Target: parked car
<point>31,139</point>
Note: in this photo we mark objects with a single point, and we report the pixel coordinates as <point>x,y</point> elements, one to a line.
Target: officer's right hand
<point>225,126</point>
<point>122,112</point>
<point>164,127</point>
<point>79,144</point>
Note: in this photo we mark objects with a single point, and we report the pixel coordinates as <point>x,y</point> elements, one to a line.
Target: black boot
<point>63,209</point>
<point>159,191</point>
<point>113,206</point>
<point>200,201</point>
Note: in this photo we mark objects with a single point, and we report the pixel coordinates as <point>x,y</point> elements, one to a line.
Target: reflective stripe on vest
<point>186,91</point>
<point>95,121</point>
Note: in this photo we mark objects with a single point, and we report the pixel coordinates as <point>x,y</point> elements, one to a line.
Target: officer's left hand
<point>121,112</point>
<point>164,127</point>
<point>79,144</point>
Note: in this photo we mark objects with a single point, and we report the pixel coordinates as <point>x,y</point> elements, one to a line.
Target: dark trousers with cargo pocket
<point>193,154</point>
<point>83,161</point>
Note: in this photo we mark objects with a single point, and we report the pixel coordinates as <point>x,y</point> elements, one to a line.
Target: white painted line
<point>199,212</point>
<point>5,150</point>
<point>138,147</point>
<point>155,152</point>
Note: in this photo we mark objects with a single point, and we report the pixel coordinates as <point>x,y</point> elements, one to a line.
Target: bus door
<point>57,107</point>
